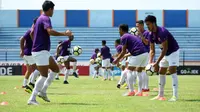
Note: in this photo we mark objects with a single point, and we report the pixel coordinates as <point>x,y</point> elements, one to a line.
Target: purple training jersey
<point>65,48</point>
<point>28,43</point>
<point>162,35</point>
<point>105,52</point>
<point>134,44</point>
<point>41,36</point>
<point>145,34</point>
<point>94,56</point>
<point>119,49</point>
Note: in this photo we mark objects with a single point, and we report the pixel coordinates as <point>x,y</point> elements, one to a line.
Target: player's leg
<point>95,71</point>
<point>67,70</point>
<point>42,61</point>
<point>112,72</point>
<point>32,80</point>
<point>162,79</point>
<point>173,63</point>
<point>27,74</point>
<point>140,82</point>
<point>104,70</point>
<point>108,68</point>
<point>122,77</point>
<point>71,59</point>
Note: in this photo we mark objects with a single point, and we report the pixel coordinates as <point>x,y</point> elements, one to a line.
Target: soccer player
<point>118,47</point>
<point>40,52</point>
<point>64,51</point>
<point>25,53</point>
<point>95,65</point>
<point>56,56</point>
<point>143,34</point>
<point>137,59</point>
<point>169,56</point>
<point>105,53</point>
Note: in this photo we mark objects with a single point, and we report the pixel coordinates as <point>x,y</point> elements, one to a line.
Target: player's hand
<point>156,67</point>
<point>68,33</point>
<point>21,54</point>
<point>116,61</point>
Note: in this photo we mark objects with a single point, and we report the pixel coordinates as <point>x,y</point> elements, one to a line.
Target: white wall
<point>104,4</point>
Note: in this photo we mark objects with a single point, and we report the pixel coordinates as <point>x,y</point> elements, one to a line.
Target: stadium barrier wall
<point>101,18</point>
<point>18,68</point>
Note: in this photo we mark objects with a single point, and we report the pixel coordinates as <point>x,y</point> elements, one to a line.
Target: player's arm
<point>127,55</point>
<point>58,49</point>
<point>55,33</point>
<point>145,41</point>
<point>163,52</point>
<point>122,53</point>
<point>152,52</point>
<point>22,40</point>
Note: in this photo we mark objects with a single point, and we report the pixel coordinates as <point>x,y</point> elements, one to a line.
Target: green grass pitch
<point>94,95</point>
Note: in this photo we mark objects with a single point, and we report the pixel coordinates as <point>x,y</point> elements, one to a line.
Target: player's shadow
<point>61,94</point>
<point>77,104</point>
<point>193,100</point>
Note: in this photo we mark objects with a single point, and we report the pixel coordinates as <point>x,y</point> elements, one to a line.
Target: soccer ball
<point>98,60</point>
<point>60,60</point>
<point>150,70</point>
<point>134,31</point>
<point>77,50</point>
<point>91,61</point>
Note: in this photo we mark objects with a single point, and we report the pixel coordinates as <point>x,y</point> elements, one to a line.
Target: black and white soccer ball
<point>60,60</point>
<point>150,70</point>
<point>98,61</point>
<point>77,50</point>
<point>134,31</point>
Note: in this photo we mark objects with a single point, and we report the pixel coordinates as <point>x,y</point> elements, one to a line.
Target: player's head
<point>117,42</point>
<point>48,8</point>
<point>123,28</point>
<point>71,38</point>
<point>103,42</point>
<point>34,20</point>
<point>60,42</point>
<point>140,25</point>
<point>151,22</point>
<point>96,50</point>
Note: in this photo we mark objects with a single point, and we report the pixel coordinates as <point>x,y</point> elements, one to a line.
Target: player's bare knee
<point>172,69</point>
<point>163,71</point>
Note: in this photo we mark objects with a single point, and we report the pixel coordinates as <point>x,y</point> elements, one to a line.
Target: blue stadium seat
<point>90,38</point>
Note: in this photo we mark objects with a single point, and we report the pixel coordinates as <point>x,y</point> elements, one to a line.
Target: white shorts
<point>138,61</point>
<point>171,60</point>
<point>41,58</point>
<point>123,63</point>
<point>106,62</point>
<point>29,60</point>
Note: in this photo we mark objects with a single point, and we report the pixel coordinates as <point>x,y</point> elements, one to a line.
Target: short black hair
<point>124,27</point>
<point>140,22</point>
<point>117,41</point>
<point>104,42</point>
<point>47,5</point>
<point>96,50</point>
<point>151,19</point>
<point>34,20</point>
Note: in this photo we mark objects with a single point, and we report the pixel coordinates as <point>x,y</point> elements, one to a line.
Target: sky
<point>104,4</point>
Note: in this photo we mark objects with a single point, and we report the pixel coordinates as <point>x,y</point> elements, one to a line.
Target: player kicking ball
<point>26,47</point>
<point>105,53</point>
<point>64,52</point>
<point>94,63</point>
<point>137,59</point>
<point>169,56</point>
<point>40,51</point>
